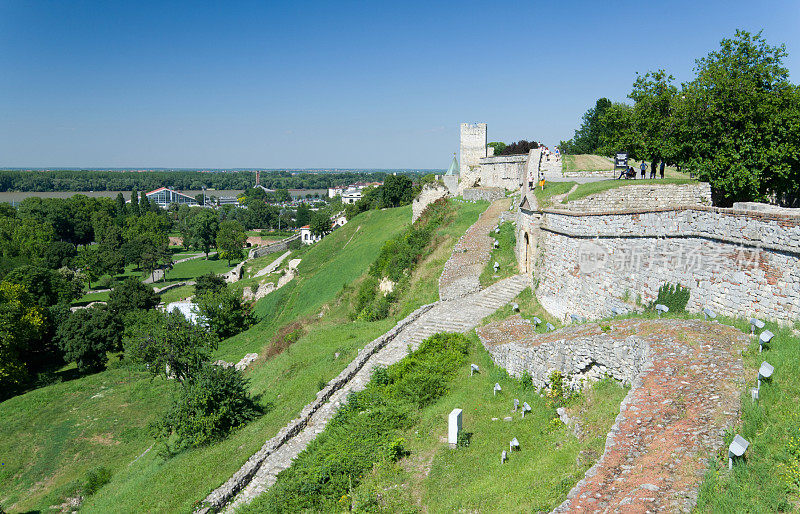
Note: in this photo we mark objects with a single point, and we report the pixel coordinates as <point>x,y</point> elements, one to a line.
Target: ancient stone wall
<point>489,194</point>
<point>278,246</point>
<point>738,263</point>
<point>429,194</point>
<point>650,196</point>
<point>577,352</point>
<point>505,171</point>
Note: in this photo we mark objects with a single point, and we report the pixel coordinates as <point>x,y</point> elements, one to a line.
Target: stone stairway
<point>459,315</point>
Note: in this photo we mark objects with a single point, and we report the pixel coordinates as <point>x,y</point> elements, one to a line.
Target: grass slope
<point>503,255</point>
<point>285,382</point>
<point>586,162</point>
<point>591,188</point>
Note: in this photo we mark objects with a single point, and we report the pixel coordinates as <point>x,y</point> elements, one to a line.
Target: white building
<point>164,196</point>
<point>306,237</point>
<point>351,195</point>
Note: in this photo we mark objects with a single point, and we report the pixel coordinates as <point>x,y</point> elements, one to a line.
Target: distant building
<point>164,197</point>
<point>339,220</point>
<point>228,200</point>
<point>306,237</point>
<point>351,195</point>
<point>335,191</point>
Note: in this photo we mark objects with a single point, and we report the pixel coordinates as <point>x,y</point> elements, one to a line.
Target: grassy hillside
<point>54,465</point>
<point>586,162</point>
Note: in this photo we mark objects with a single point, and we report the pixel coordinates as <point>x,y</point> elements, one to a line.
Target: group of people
<point>630,172</point>
<point>546,152</point>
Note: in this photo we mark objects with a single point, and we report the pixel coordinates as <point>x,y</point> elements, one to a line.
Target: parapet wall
<point>490,194</point>
<point>505,171</point>
<point>428,195</point>
<point>650,196</point>
<point>738,263</point>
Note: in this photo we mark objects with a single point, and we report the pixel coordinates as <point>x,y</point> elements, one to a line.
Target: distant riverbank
<point>15,197</point>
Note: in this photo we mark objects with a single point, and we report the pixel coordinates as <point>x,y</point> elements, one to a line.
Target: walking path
<point>443,316</point>
<point>273,265</point>
<point>461,275</point>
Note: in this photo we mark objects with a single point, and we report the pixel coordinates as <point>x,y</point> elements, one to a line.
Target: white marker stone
<point>453,426</point>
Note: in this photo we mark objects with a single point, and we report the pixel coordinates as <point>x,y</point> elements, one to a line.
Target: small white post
<point>453,427</point>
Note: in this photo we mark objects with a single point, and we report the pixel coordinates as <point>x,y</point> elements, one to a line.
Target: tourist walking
<point>661,169</point>
<point>643,167</point>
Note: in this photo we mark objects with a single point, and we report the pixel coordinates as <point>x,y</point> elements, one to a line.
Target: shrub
<point>225,313</point>
<point>463,440</point>
<point>206,408</point>
<point>95,479</point>
<point>397,450</point>
<point>208,283</point>
<point>676,297</point>
<point>131,295</point>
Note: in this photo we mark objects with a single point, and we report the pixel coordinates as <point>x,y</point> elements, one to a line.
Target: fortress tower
<point>473,146</point>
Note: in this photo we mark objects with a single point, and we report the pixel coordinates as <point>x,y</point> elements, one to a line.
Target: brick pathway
<point>671,421</point>
<point>461,275</point>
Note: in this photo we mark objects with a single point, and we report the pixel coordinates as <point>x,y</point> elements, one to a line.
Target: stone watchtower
<point>473,147</point>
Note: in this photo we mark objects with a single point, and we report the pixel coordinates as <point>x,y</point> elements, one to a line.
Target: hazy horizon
<point>320,85</point>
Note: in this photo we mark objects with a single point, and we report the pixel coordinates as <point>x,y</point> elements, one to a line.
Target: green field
<point>586,162</point>
<point>191,269</point>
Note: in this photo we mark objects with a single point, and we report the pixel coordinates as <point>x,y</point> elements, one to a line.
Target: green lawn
<point>285,382</point>
<point>50,437</point>
<point>190,270</point>
<point>178,293</point>
<point>586,162</point>
<point>544,197</point>
<point>504,256</point>
<point>101,296</point>
<point>591,188</point>
<point>529,307</point>
<point>254,266</point>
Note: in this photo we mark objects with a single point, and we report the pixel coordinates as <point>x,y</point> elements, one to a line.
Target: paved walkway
<point>456,316</point>
<point>461,275</point>
<point>672,420</point>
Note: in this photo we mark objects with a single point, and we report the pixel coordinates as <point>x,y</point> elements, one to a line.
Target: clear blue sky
<point>332,84</point>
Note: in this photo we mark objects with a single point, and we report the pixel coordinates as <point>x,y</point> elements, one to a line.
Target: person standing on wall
<point>661,169</point>
<point>643,167</point>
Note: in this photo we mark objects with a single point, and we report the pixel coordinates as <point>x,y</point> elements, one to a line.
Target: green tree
<point>168,343</point>
<point>225,313</point>
<point>59,254</point>
<point>498,146</point>
<point>230,240</point>
<point>204,227</point>
<point>397,190</point>
<point>87,334</point>
<point>740,121</point>
<point>587,138</point>
<point>320,224</point>
<point>131,295</point>
<point>21,323</point>
<point>303,215</point>
<point>134,203</point>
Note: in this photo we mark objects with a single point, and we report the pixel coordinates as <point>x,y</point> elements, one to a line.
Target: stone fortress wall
<point>429,194</point>
<point>505,171</point>
<point>736,262</point>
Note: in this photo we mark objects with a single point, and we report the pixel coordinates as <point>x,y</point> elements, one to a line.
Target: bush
<point>676,297</point>
<point>87,334</point>
<point>209,405</point>
<point>208,283</point>
<point>225,313</point>
<point>95,479</point>
<point>104,282</point>
<point>397,450</point>
<point>131,295</point>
